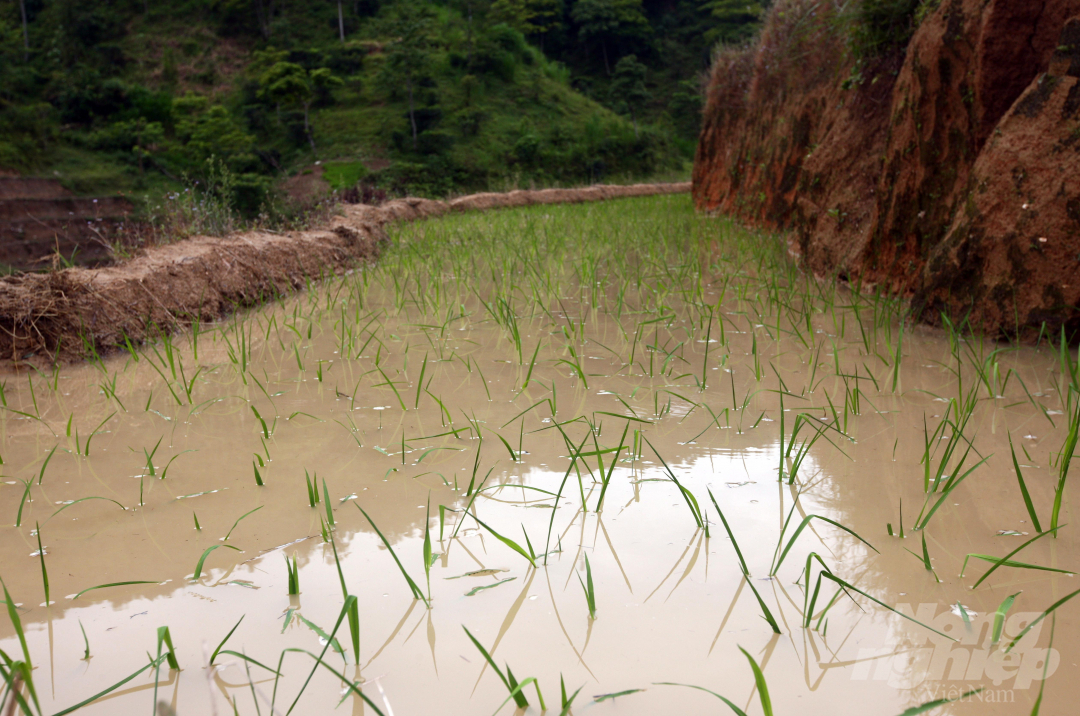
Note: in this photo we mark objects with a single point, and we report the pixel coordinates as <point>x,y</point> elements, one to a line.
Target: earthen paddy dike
<point>548,407</point>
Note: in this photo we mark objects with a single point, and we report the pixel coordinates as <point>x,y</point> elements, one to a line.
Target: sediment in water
<point>78,312</point>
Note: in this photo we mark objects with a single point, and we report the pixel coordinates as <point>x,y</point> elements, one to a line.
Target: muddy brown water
<point>672,606</point>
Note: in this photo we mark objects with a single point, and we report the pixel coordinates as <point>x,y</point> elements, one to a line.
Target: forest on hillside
<point>142,96</point>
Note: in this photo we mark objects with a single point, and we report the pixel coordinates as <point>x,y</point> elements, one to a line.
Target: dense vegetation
<point>426,97</point>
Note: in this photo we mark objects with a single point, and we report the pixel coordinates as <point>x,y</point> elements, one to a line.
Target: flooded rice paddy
<point>541,447</point>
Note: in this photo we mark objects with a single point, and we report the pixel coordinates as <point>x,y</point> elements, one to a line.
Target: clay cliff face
<point>948,170</point>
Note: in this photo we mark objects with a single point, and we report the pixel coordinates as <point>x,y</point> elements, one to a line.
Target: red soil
<point>948,174</point>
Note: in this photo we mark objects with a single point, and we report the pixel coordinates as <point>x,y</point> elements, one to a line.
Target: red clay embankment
<point>62,314</point>
<point>947,170</point>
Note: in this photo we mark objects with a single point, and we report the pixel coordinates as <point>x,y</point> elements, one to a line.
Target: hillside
<point>425,98</point>
<point>926,146</point>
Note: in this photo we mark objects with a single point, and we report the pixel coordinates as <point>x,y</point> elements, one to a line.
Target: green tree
<point>608,21</point>
<point>733,20</point>
<point>533,18</point>
<point>628,87</point>
<point>685,108</point>
<point>515,13</point>
<point>11,50</point>
<point>290,85</point>
<point>264,13</point>
<point>25,32</point>
<point>209,130</point>
<point>139,136</point>
<point>408,56</point>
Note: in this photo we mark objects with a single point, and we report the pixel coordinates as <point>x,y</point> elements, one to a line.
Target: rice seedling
<point>688,497</point>
<point>765,612</point>
<point>45,464</point>
<point>23,501</point>
<point>778,557</point>
<point>354,610</point>
<point>429,556</point>
<point>529,555</point>
<point>1046,667</point>
<point>329,506</point>
<point>86,642</point>
<point>963,410</point>
<point>925,558</point>
<point>349,601</point>
<point>896,359</point>
<point>165,638</point>
<point>618,317</point>
<point>826,574</point>
<point>334,643</point>
<point>417,594</point>
<point>1070,369</point>
<point>600,698</point>
<point>1023,489</point>
<point>759,682</point>
<point>567,702</point>
<point>511,684</point>
<point>113,584</point>
<point>95,431</point>
<point>1007,562</point>
<point>1050,610</point>
<point>154,663</point>
<point>999,618</point>
<point>33,396</point>
<point>221,643</point>
<point>165,470</point>
<point>588,588</point>
<point>810,600</point>
<point>205,554</point>
<point>803,448</point>
<point>350,687</point>
<point>1069,448</point>
<point>22,669</point>
<point>262,422</point>
<point>731,536</point>
<point>475,590</point>
<point>238,519</point>
<point>312,489</point>
<point>41,556</point>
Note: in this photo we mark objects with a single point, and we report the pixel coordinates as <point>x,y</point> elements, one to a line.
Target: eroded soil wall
<point>946,169</point>
<point>74,313</point>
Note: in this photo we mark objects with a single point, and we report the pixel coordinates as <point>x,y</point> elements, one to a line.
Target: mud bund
<point>76,313</point>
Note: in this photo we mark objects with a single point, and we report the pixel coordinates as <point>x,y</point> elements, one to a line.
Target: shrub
<point>25,132</point>
<point>347,59</point>
<point>126,135</point>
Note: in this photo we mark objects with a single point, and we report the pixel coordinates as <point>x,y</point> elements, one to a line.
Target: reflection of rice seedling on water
<point>598,399</point>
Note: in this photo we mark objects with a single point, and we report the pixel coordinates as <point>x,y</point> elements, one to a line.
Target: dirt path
<point>71,314</point>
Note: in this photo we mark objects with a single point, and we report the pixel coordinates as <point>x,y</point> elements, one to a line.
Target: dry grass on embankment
<point>78,312</point>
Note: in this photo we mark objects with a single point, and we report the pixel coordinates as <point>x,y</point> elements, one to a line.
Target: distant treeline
<point>140,95</point>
